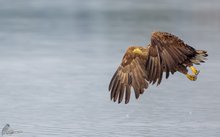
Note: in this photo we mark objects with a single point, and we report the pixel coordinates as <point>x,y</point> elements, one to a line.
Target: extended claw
<point>192,77</point>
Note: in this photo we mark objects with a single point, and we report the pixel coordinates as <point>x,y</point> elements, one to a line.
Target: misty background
<point>57,58</point>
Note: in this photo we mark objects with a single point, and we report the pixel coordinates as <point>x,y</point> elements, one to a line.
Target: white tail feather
<point>200,57</point>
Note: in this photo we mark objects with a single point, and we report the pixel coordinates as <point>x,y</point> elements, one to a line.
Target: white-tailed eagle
<point>142,66</point>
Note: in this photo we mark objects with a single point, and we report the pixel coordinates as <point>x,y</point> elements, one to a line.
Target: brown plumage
<point>142,66</point>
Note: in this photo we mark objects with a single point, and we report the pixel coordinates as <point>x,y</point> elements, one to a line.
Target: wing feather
<point>127,94</point>
<point>121,94</point>
<point>115,86</point>
<point>112,81</point>
<point>118,90</point>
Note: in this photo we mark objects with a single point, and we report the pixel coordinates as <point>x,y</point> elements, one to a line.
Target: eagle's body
<point>141,66</point>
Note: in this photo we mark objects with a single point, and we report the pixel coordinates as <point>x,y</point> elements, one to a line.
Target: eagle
<point>141,66</point>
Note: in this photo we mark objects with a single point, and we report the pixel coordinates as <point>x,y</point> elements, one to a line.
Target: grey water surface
<point>57,58</point>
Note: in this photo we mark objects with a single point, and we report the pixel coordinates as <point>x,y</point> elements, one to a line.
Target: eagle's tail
<point>200,57</point>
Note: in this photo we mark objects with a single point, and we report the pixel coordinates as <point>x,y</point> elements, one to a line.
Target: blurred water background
<point>57,58</point>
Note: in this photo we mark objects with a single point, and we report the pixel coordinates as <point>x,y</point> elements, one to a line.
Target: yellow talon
<point>191,77</point>
<point>194,70</point>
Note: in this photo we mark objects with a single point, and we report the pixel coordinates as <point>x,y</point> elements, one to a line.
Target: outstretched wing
<point>166,52</point>
<point>131,73</point>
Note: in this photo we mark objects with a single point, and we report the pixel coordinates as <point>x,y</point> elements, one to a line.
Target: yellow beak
<point>137,51</point>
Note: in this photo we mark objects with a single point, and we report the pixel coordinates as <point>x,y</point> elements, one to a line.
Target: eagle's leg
<point>182,69</point>
<point>194,70</point>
